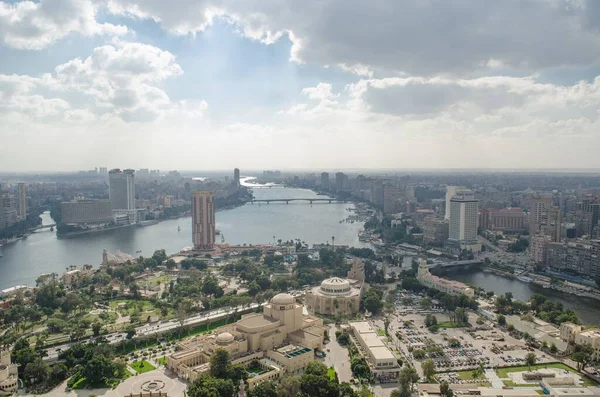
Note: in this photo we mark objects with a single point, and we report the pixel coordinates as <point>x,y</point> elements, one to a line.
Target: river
<point>42,252</point>
<point>587,309</point>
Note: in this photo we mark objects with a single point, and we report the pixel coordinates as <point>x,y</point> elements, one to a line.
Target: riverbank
<point>546,282</point>
<point>587,309</point>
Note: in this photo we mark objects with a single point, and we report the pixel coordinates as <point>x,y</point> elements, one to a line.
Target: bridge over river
<point>310,200</point>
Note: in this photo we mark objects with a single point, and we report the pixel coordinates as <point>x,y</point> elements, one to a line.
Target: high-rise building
<point>325,180</point>
<point>450,192</point>
<point>390,195</point>
<point>203,220</point>
<point>552,225</point>
<point>341,182</point>
<point>122,193</point>
<point>236,177</point>
<point>537,213</point>
<point>464,209</point>
<point>122,189</point>
<point>22,210</point>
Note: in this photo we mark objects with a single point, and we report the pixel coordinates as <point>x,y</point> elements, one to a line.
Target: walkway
<point>492,376</point>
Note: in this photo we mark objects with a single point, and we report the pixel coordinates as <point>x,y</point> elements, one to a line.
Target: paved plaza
<point>154,380</point>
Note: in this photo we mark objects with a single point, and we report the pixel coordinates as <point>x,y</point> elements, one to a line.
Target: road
<point>156,329</point>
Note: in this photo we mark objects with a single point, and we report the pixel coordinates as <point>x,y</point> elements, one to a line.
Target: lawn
<point>449,324</point>
<point>331,373</point>
<point>142,366</point>
<point>162,361</point>
<point>503,372</point>
<point>468,374</point>
<point>380,332</point>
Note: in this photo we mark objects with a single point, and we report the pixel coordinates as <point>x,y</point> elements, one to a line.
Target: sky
<point>288,84</point>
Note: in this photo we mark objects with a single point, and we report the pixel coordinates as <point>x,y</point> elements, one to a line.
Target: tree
<point>408,377</point>
<point>444,388</point>
<point>428,367</point>
<point>460,316</point>
<point>316,368</point>
<point>208,386</point>
<point>426,303</point>
<point>96,328</point>
<point>553,348</point>
<point>37,371</point>
<point>386,324</point>
<point>318,385</point>
<point>582,355</point>
<point>264,389</point>
<point>501,320</point>
<point>59,372</point>
<point>530,359</point>
<point>219,364</point>
<point>98,368</point>
<point>289,386</point>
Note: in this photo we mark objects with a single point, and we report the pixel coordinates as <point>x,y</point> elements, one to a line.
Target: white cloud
<point>118,80</point>
<point>32,25</point>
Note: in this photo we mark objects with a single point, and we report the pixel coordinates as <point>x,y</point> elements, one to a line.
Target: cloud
<point>119,80</point>
<point>32,25</point>
<point>423,38</point>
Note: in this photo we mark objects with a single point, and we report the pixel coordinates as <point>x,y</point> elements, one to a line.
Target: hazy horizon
<point>334,84</point>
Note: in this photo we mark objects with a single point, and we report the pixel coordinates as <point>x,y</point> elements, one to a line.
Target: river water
<point>587,309</point>
<point>42,252</point>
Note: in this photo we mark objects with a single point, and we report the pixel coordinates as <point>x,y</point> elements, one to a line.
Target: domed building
<point>334,296</point>
<point>281,340</point>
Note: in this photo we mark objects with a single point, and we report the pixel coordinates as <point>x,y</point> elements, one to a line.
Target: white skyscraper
<point>122,192</point>
<point>450,192</point>
<point>464,208</point>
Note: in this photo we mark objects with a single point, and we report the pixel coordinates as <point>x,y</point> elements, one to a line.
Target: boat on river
<point>524,279</point>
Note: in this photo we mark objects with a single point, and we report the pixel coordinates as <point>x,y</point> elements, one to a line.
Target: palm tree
<point>530,359</point>
<point>332,241</point>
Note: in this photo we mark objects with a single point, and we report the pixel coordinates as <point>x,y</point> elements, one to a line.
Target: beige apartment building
<point>203,220</point>
<point>384,365</point>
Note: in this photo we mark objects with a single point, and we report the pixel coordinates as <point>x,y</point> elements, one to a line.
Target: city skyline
<point>464,87</point>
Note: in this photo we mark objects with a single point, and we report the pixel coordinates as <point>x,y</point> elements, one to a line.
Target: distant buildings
<point>203,220</point>
<point>390,198</point>
<point>236,177</point>
<point>9,375</point>
<point>510,220</point>
<point>8,210</point>
<point>76,212</point>
<point>464,209</point>
<point>575,257</point>
<point>325,180</point>
<point>341,182</point>
<point>122,193</point>
<point>537,248</point>
<point>435,231</point>
<point>441,284</point>
<point>22,210</point>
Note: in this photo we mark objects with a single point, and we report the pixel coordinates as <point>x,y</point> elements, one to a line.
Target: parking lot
<point>454,349</point>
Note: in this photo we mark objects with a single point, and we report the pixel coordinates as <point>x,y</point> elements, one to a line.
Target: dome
<point>225,337</point>
<point>335,285</point>
<point>283,299</point>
